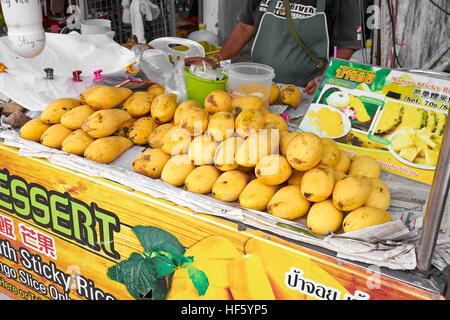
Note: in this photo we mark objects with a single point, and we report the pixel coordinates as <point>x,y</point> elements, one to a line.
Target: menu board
<point>396,117</point>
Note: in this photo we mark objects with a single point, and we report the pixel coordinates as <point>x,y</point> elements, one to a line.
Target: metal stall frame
<point>163,26</point>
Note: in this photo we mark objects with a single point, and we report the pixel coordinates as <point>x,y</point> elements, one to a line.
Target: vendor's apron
<point>274,44</point>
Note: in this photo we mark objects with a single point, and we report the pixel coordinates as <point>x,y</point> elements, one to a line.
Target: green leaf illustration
<point>139,276</point>
<point>198,278</point>
<point>163,265</point>
<point>155,239</point>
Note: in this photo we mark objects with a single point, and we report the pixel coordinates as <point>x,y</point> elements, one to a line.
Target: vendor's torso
<point>299,9</point>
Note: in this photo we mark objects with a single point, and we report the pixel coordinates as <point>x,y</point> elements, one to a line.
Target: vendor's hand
<point>313,85</point>
<point>199,61</point>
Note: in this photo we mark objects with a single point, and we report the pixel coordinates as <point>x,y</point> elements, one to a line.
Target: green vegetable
<point>145,275</point>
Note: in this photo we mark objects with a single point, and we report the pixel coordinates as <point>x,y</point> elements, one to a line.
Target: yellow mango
<point>74,118</point>
<point>163,107</point>
<point>229,185</point>
<point>224,158</point>
<point>286,140</point>
<point>33,130</point>
<point>156,138</point>
<point>365,217</point>
<point>104,97</point>
<point>54,136</point>
<point>331,153</point>
<point>107,149</point>
<point>344,162</point>
<point>275,121</point>
<point>291,95</point>
<point>256,195</point>
<point>248,279</point>
<point>218,101</point>
<point>138,104</point>
<point>220,126</point>
<point>151,163</point>
<point>351,193</point>
<point>245,103</point>
<point>273,169</point>
<point>275,93</point>
<point>318,183</point>
<point>249,122</point>
<point>76,142</point>
<point>365,166</point>
<point>380,196</point>
<point>176,170</point>
<point>141,129</point>
<point>183,107</point>
<point>202,150</point>
<point>103,123</point>
<point>296,178</point>
<point>305,151</point>
<point>55,110</point>
<point>255,147</point>
<point>122,131</point>
<point>201,180</point>
<point>324,217</point>
<point>194,120</point>
<point>176,141</point>
<point>156,90</point>
<point>288,203</point>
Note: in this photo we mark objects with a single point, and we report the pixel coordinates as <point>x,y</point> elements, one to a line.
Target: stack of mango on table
<point>234,149</point>
<point>232,274</point>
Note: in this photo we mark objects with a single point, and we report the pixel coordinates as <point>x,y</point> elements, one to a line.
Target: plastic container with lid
<point>204,35</point>
<point>250,79</point>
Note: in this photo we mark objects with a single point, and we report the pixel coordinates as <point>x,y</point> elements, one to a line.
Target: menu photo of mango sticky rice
<point>345,115</point>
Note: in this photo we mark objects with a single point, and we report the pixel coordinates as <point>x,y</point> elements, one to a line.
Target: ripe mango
<point>380,196</point>
<point>331,153</point>
<point>220,126</point>
<point>156,90</point>
<point>76,142</point>
<point>163,107</point>
<point>275,121</point>
<point>54,136</point>
<point>104,97</point>
<point>229,185</point>
<point>291,95</point>
<point>249,122</point>
<point>33,130</point>
<point>218,101</point>
<point>318,183</point>
<point>176,170</point>
<point>55,110</point>
<point>351,193</point>
<point>224,158</point>
<point>201,180</point>
<point>286,140</point>
<point>156,138</point>
<point>365,217</point>
<point>108,149</point>
<point>296,178</point>
<point>305,151</point>
<point>138,104</point>
<point>244,103</point>
<point>256,195</point>
<point>275,93</point>
<point>365,166</point>
<point>288,203</point>
<point>255,147</point>
<point>141,129</point>
<point>183,107</point>
<point>104,123</point>
<point>151,163</point>
<point>323,218</point>
<point>202,150</point>
<point>273,170</point>
<point>176,141</point>
<point>74,118</point>
<point>344,162</point>
<point>194,120</point>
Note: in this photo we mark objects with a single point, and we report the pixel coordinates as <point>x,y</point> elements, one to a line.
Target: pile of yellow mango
<point>234,149</point>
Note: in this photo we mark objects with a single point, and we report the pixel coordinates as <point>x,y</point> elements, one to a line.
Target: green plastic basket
<point>198,89</point>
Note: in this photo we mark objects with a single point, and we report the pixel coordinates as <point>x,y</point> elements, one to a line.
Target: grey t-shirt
<point>343,18</point>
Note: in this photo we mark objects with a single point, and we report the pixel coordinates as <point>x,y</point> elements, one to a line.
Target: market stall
<point>252,195</point>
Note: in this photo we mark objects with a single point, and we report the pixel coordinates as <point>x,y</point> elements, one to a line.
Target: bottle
<point>26,33</point>
<point>204,35</point>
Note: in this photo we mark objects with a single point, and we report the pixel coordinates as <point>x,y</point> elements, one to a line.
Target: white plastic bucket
<point>95,26</point>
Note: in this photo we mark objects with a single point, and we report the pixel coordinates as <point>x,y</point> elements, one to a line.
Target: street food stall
<point>126,175</point>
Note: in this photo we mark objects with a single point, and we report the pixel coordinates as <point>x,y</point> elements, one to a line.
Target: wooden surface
<point>422,30</point>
